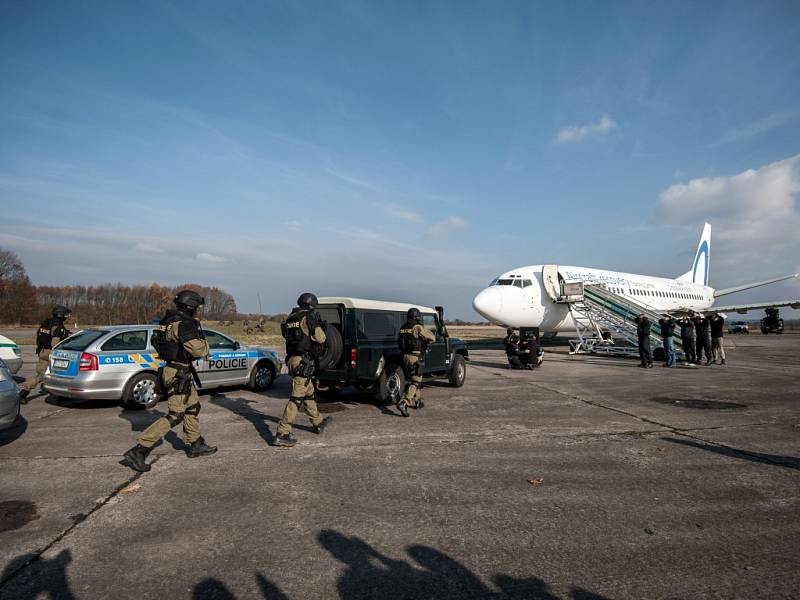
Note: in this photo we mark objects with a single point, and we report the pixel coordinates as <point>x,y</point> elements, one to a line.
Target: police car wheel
<point>141,392</point>
<point>262,377</point>
<point>390,385</point>
<point>458,371</point>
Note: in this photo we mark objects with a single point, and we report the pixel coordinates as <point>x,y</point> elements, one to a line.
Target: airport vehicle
<point>738,327</point>
<point>565,298</point>
<point>772,323</point>
<point>9,397</point>
<point>119,363</point>
<point>364,350</point>
<point>10,354</point>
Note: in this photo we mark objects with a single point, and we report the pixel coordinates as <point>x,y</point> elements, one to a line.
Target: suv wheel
<point>390,385</point>
<point>458,371</point>
<point>262,377</point>
<point>141,392</point>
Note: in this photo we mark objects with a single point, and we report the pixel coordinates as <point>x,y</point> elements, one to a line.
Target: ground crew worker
<point>414,340</point>
<point>643,337</point>
<point>717,323</point>
<point>49,334</point>
<point>179,341</point>
<point>667,329</point>
<point>511,343</point>
<point>305,342</point>
<point>687,340</point>
<point>703,342</point>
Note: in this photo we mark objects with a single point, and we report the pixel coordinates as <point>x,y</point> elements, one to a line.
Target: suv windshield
<point>81,340</point>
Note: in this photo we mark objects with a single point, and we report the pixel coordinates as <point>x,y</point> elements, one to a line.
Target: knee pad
<point>297,401</point>
<point>193,410</point>
<point>174,418</point>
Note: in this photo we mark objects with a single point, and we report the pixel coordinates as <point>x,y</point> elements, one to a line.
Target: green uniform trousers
<point>41,367</point>
<point>302,395</point>
<point>413,393</point>
<point>183,408</point>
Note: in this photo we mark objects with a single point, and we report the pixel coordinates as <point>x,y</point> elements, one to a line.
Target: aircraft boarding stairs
<point>604,322</point>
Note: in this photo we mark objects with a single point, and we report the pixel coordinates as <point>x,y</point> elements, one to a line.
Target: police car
<point>119,363</point>
<point>10,354</point>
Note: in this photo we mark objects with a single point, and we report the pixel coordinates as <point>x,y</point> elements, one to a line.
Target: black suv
<point>363,348</point>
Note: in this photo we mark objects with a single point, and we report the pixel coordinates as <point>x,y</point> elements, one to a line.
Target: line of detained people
<point>699,335</point>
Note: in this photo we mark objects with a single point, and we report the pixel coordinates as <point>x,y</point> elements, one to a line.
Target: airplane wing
<point>743,308</point>
<point>749,286</point>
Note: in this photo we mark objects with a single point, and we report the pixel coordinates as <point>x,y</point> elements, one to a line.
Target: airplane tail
<point>702,260</point>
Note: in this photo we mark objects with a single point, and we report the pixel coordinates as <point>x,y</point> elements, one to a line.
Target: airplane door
<point>550,281</point>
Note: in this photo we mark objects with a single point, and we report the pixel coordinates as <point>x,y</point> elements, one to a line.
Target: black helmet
<point>509,331</point>
<point>60,312</point>
<point>413,314</point>
<point>307,300</point>
<point>189,300</point>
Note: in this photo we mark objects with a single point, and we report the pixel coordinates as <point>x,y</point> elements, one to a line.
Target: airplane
<point>526,297</point>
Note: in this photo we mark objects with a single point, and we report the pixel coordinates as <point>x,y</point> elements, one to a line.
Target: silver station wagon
<point>118,363</point>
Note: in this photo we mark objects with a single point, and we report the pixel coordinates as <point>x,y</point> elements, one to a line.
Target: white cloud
<point>754,217</point>
<point>442,228</point>
<point>398,212</point>
<point>212,258</point>
<point>577,133</point>
<point>755,128</point>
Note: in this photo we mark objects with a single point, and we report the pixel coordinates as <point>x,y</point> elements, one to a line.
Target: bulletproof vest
<point>511,341</point>
<point>169,349</point>
<point>409,341</point>
<point>49,329</point>
<point>297,341</point>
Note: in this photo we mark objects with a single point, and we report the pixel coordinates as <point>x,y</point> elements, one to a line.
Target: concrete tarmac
<point>659,483</point>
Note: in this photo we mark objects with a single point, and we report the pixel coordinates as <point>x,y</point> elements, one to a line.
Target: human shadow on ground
<point>242,408</point>
<point>776,460</point>
<point>214,589</point>
<point>27,577</point>
<point>370,574</point>
<point>142,419</point>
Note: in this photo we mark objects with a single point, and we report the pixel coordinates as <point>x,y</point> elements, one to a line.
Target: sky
<point>406,151</point>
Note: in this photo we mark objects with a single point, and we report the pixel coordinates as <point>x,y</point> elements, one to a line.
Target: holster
<point>307,366</point>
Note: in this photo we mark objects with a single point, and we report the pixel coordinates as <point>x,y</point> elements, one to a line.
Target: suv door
<point>435,359</point>
<point>228,364</point>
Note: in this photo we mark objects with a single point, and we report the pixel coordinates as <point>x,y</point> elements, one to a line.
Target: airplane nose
<point>489,303</point>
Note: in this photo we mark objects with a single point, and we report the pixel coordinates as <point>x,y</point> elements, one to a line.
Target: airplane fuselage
<point>521,298</point>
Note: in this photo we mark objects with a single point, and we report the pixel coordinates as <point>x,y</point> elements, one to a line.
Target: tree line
<point>105,304</point>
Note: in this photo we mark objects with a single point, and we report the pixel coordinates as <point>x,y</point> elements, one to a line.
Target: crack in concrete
<point>674,430</point>
<point>37,554</point>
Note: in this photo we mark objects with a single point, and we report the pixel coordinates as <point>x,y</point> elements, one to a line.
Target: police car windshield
<point>80,341</point>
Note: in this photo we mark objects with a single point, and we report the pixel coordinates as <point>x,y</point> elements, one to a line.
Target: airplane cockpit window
<point>505,282</point>
<point>526,283</point>
<point>518,283</point>
<point>494,282</point>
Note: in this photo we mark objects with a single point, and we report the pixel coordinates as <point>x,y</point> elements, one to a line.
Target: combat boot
<point>419,405</point>
<point>284,439</point>
<point>401,406</point>
<point>723,361</point>
<point>325,422</point>
<point>23,396</point>
<point>135,457</point>
<point>200,448</point>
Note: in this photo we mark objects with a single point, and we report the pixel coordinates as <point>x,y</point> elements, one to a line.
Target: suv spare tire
<point>333,348</point>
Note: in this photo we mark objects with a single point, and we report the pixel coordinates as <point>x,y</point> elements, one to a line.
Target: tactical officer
<point>643,336</point>
<point>50,333</point>
<point>414,340</point>
<point>529,351</point>
<point>511,343</point>
<point>305,341</point>
<point>687,340</point>
<point>667,329</point>
<point>179,340</point>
